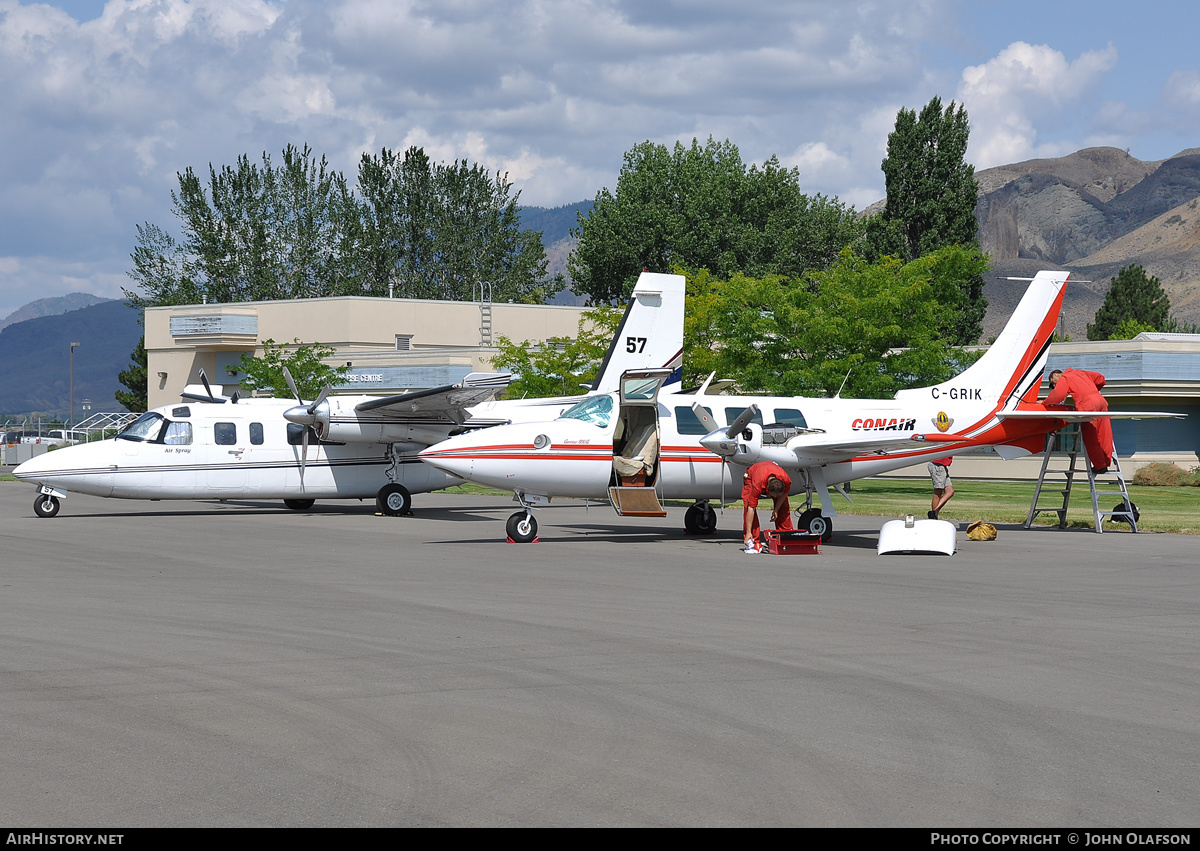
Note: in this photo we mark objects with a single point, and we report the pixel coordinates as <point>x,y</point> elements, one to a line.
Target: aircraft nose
<point>447,461</point>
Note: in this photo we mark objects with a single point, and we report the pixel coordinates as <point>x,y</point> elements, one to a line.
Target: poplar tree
<point>931,197</point>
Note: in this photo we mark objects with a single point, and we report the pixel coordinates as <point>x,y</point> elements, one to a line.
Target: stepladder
<point>1066,447</point>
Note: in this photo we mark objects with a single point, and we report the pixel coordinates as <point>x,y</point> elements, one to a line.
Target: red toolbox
<point>792,543</point>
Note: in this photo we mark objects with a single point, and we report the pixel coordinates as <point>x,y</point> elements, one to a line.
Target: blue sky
<point>104,102</point>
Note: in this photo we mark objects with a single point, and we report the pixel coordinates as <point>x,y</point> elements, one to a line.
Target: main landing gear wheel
<point>700,520</point>
<point>299,504</point>
<point>522,527</point>
<point>393,500</point>
<point>45,506</point>
<point>817,524</point>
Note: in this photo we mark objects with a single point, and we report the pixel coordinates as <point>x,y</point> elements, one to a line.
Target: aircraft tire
<point>816,523</point>
<point>700,520</point>
<point>46,506</point>
<point>522,527</point>
<point>393,500</point>
<point>299,504</point>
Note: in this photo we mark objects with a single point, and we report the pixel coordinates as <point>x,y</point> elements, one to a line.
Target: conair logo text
<point>883,424</point>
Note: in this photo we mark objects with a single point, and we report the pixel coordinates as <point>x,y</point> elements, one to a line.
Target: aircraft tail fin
<point>1011,369</point>
<point>650,335</point>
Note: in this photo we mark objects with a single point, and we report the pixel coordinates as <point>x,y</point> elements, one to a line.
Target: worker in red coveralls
<point>1084,388</point>
<point>766,478</point>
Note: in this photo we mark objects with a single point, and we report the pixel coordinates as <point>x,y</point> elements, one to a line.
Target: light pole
<point>71,419</point>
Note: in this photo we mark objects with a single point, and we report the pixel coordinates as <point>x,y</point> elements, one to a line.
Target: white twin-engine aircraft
<point>337,447</point>
<point>635,445</point>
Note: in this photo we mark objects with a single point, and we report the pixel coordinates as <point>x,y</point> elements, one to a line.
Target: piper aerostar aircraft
<point>213,447</point>
<point>636,445</point>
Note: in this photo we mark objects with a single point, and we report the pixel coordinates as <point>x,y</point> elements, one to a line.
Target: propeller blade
<point>291,383</point>
<point>303,457</point>
<point>321,397</point>
<point>704,416</point>
<point>737,425</point>
<point>207,387</point>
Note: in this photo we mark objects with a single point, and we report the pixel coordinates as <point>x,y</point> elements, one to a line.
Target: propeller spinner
<point>720,441</point>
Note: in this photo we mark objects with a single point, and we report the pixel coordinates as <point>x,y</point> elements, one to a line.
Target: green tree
<point>261,231</point>
<point>560,365</point>
<point>135,378</point>
<point>1132,296</point>
<point>700,207</point>
<point>931,198</point>
<point>304,362</point>
<point>887,324</point>
<point>441,230</point>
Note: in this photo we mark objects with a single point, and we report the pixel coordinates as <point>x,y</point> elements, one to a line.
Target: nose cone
<point>300,415</point>
<point>86,468</point>
<point>717,443</point>
<point>452,456</point>
<point>37,466</point>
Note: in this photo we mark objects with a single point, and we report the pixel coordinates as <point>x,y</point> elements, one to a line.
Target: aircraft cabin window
<point>178,434</point>
<point>225,434</point>
<point>145,429</point>
<point>256,434</point>
<point>183,411</point>
<point>790,416</point>
<point>732,414</point>
<point>687,422</point>
<point>595,411</point>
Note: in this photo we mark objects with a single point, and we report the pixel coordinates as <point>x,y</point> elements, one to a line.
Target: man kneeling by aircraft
<point>767,478</point>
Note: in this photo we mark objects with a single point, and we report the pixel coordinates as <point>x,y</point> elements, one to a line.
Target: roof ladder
<point>1124,510</point>
<point>485,315</point>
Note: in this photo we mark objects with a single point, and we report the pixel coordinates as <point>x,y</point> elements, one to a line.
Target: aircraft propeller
<point>304,415</point>
<point>723,442</point>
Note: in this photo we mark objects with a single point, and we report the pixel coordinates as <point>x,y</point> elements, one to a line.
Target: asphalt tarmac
<point>177,664</point>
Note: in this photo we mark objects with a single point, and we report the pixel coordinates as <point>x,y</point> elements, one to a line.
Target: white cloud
<point>1008,96</point>
<point>100,116</point>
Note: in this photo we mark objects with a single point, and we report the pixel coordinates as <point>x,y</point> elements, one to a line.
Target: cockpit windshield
<point>596,410</point>
<point>145,429</point>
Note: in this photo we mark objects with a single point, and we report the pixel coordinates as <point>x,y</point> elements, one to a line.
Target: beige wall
<point>362,330</point>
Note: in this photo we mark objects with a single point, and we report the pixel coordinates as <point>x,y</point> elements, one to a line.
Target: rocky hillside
<point>1091,213</point>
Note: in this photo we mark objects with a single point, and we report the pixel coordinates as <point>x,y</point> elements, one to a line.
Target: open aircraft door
<point>636,456</point>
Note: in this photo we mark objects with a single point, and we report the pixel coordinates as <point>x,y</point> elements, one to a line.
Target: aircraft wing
<point>820,448</point>
<point>1085,416</point>
<point>449,403</point>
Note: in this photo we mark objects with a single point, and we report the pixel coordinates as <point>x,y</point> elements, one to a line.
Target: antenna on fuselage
<point>838,394</point>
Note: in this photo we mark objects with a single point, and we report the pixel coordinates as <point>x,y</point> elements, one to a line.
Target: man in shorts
<point>943,488</point>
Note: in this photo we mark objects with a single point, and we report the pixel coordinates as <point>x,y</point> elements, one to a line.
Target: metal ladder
<point>485,314</point>
<point>1073,448</point>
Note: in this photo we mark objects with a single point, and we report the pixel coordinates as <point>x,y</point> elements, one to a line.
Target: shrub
<point>1162,474</point>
